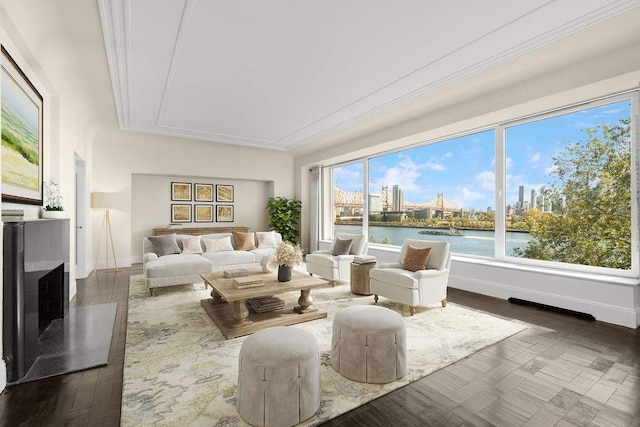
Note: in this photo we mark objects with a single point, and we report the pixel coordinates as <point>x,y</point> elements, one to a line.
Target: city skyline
<point>463,168</point>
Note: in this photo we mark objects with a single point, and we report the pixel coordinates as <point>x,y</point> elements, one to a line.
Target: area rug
<point>179,369</point>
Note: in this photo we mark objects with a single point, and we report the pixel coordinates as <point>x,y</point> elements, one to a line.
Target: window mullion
<point>500,184</point>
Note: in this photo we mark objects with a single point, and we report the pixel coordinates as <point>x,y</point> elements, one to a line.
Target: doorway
<point>82,213</point>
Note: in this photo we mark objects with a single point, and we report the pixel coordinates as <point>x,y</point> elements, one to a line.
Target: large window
<point>440,191</point>
<point>346,193</point>
<point>559,189</point>
<point>568,185</point>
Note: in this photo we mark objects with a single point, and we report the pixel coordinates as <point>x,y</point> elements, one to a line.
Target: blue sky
<point>463,168</point>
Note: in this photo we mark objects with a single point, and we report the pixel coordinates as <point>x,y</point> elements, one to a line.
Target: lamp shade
<point>104,200</point>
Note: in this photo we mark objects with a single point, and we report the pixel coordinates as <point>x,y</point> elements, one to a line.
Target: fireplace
<point>36,287</point>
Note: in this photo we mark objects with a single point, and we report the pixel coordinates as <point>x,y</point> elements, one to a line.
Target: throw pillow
<point>341,247</point>
<point>218,245</point>
<point>266,239</point>
<point>244,241</point>
<point>416,258</point>
<point>165,245</point>
<point>191,245</point>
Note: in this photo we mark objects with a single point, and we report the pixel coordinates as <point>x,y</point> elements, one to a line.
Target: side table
<point>360,278</point>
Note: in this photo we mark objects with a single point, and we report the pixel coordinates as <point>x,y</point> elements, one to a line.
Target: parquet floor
<point>562,371</point>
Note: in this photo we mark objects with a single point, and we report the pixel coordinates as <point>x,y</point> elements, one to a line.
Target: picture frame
<point>22,135</point>
<point>224,193</point>
<point>203,213</point>
<point>180,213</point>
<point>181,191</point>
<point>203,192</point>
<point>224,213</point>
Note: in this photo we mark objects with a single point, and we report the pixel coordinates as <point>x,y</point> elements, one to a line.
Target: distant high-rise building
<point>521,194</point>
<point>375,202</point>
<point>533,199</point>
<point>398,199</point>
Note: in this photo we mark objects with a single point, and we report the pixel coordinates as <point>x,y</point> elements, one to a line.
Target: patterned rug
<point>179,369</point>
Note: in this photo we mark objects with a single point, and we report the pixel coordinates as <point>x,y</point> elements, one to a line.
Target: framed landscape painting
<point>203,192</point>
<point>22,142</point>
<point>180,213</point>
<point>224,193</point>
<point>224,213</point>
<point>181,191</point>
<point>203,213</point>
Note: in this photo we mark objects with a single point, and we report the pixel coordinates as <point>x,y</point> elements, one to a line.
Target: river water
<point>472,242</point>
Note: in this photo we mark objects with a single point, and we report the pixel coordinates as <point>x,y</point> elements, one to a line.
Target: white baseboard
<point>73,289</point>
<point>628,317</point>
<point>122,263</point>
<point>3,375</point>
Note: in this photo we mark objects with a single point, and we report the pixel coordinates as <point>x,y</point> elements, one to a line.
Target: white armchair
<point>414,288</point>
<point>336,267</point>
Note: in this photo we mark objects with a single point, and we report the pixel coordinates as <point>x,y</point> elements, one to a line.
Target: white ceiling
<point>283,74</point>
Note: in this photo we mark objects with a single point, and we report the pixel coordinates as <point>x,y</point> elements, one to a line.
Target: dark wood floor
<point>562,371</point>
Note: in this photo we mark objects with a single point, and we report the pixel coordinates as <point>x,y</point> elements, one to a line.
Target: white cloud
<point>509,162</point>
<point>438,167</point>
<point>487,180</point>
<point>404,175</point>
<point>466,197</point>
<point>535,157</point>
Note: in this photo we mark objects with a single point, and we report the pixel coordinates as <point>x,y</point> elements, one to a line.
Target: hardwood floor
<point>561,371</point>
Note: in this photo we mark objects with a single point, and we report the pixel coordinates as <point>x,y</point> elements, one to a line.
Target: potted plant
<point>284,215</point>
<point>287,256</point>
<point>53,208</point>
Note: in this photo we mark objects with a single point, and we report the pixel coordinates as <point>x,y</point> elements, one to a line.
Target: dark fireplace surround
<point>36,287</point>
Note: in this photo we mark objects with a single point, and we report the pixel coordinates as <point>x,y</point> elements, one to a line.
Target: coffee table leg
<point>240,312</point>
<point>305,302</point>
<point>217,299</point>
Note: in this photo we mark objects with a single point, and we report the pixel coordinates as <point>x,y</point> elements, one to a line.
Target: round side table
<point>360,278</point>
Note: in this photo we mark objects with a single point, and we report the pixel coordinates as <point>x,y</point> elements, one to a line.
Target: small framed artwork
<point>181,191</point>
<point>203,192</point>
<point>224,213</point>
<point>180,213</point>
<point>224,193</point>
<point>203,213</point>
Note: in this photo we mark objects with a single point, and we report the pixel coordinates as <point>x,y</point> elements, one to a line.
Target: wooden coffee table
<point>227,305</point>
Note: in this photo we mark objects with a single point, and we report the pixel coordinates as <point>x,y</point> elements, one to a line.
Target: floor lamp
<point>106,202</point>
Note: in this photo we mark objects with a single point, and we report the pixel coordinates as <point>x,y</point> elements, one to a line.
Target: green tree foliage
<point>284,215</point>
<point>591,194</point>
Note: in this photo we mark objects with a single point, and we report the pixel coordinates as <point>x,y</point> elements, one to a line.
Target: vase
<point>53,214</point>
<point>284,273</point>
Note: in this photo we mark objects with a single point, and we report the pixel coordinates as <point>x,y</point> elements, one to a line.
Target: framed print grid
<point>224,213</point>
<point>224,193</point>
<point>181,191</point>
<point>180,212</point>
<point>203,213</point>
<point>203,192</point>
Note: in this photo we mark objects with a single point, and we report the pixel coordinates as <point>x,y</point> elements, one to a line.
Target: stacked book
<point>13,214</point>
<point>248,282</point>
<point>264,304</point>
<point>364,259</point>
<point>237,272</point>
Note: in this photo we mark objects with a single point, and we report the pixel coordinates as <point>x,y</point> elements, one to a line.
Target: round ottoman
<point>279,377</point>
<point>369,344</point>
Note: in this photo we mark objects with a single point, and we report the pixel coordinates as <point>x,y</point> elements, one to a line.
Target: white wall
<point>119,156</point>
<point>151,203</point>
<point>601,60</point>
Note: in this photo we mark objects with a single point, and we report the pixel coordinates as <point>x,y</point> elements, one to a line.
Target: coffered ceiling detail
<point>283,74</point>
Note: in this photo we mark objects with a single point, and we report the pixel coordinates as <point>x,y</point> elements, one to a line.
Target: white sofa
<point>185,268</point>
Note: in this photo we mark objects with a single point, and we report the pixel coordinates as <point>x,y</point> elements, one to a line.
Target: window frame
<point>500,186</point>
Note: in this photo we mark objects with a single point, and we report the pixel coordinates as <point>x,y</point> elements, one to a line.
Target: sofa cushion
<point>191,245</point>
<point>266,239</point>
<point>416,258</point>
<point>177,265</point>
<point>358,244</point>
<point>218,245</point>
<point>261,253</point>
<point>341,246</point>
<point>244,241</point>
<point>230,257</point>
<point>165,245</point>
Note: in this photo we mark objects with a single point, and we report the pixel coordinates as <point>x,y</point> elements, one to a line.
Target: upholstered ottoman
<point>369,344</point>
<point>279,377</point>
